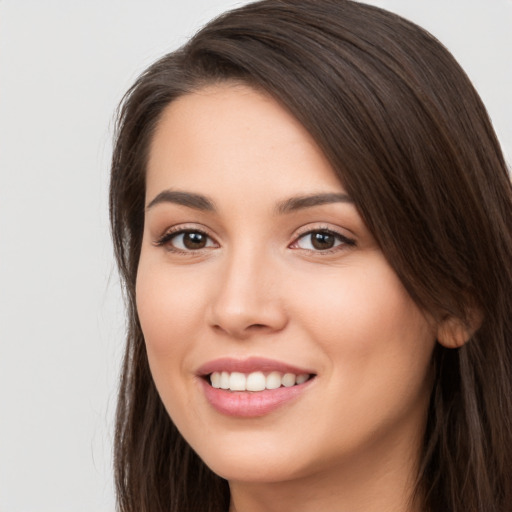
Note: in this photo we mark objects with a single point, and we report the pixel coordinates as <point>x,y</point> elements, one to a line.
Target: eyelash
<point>172,233</point>
<point>169,235</point>
<point>345,242</point>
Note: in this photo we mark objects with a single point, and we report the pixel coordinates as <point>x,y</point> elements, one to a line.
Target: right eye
<point>186,240</point>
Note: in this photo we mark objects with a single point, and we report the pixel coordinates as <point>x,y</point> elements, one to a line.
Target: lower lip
<point>251,404</point>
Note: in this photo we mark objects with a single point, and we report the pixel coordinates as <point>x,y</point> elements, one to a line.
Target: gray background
<point>63,67</point>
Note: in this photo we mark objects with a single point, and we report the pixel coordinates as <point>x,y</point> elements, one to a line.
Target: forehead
<point>233,134</point>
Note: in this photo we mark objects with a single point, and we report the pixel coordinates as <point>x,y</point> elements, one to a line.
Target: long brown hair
<point>410,140</point>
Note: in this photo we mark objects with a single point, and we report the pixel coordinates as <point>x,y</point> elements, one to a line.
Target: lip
<point>249,365</point>
<point>250,404</point>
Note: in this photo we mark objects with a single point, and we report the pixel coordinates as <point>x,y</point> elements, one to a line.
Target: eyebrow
<point>189,199</point>
<point>203,203</point>
<point>300,202</point>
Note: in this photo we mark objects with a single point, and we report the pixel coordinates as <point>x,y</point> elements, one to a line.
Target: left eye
<point>189,240</point>
<point>320,240</point>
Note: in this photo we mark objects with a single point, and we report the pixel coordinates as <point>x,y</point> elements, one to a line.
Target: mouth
<point>255,381</point>
<point>252,387</point>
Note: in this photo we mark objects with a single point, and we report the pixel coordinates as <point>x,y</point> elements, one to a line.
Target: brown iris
<point>194,240</point>
<point>322,240</point>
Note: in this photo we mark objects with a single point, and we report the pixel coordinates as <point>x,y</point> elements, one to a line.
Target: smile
<point>255,381</point>
<point>252,387</point>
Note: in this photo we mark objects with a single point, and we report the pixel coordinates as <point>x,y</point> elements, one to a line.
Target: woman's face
<point>257,272</point>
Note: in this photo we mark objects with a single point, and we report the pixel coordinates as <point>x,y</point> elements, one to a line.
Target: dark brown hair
<point>410,140</point>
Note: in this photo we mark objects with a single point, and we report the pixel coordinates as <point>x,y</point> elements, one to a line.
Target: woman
<point>312,218</point>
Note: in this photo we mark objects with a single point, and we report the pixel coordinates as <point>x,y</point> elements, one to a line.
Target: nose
<point>247,298</point>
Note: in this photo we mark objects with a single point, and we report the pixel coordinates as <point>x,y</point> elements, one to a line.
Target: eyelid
<point>308,230</point>
<point>174,231</point>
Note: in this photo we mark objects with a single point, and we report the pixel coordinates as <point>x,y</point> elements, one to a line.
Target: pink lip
<point>252,364</point>
<point>248,404</point>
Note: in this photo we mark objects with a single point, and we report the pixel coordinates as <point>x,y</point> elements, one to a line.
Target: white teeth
<point>237,381</point>
<point>288,380</point>
<point>302,378</point>
<point>224,380</point>
<point>273,380</point>
<point>215,378</point>
<point>255,381</point>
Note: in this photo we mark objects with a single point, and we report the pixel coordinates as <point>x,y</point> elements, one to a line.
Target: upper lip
<point>249,365</point>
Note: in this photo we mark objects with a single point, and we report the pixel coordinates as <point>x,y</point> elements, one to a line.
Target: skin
<point>350,441</point>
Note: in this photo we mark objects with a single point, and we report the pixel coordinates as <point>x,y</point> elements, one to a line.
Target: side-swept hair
<point>411,141</point>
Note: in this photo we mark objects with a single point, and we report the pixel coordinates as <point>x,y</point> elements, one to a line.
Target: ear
<point>454,332</point>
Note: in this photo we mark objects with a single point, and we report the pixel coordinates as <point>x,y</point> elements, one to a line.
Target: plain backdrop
<point>64,66</point>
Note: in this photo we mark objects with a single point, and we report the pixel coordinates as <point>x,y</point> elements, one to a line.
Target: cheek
<point>168,305</point>
<point>169,309</point>
<point>378,346</point>
<point>362,306</point>
<point>369,327</point>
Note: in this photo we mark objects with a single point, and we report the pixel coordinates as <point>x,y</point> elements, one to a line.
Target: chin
<point>257,470</point>
<point>252,461</point>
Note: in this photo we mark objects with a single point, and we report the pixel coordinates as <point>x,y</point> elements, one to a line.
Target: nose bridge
<point>247,296</point>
